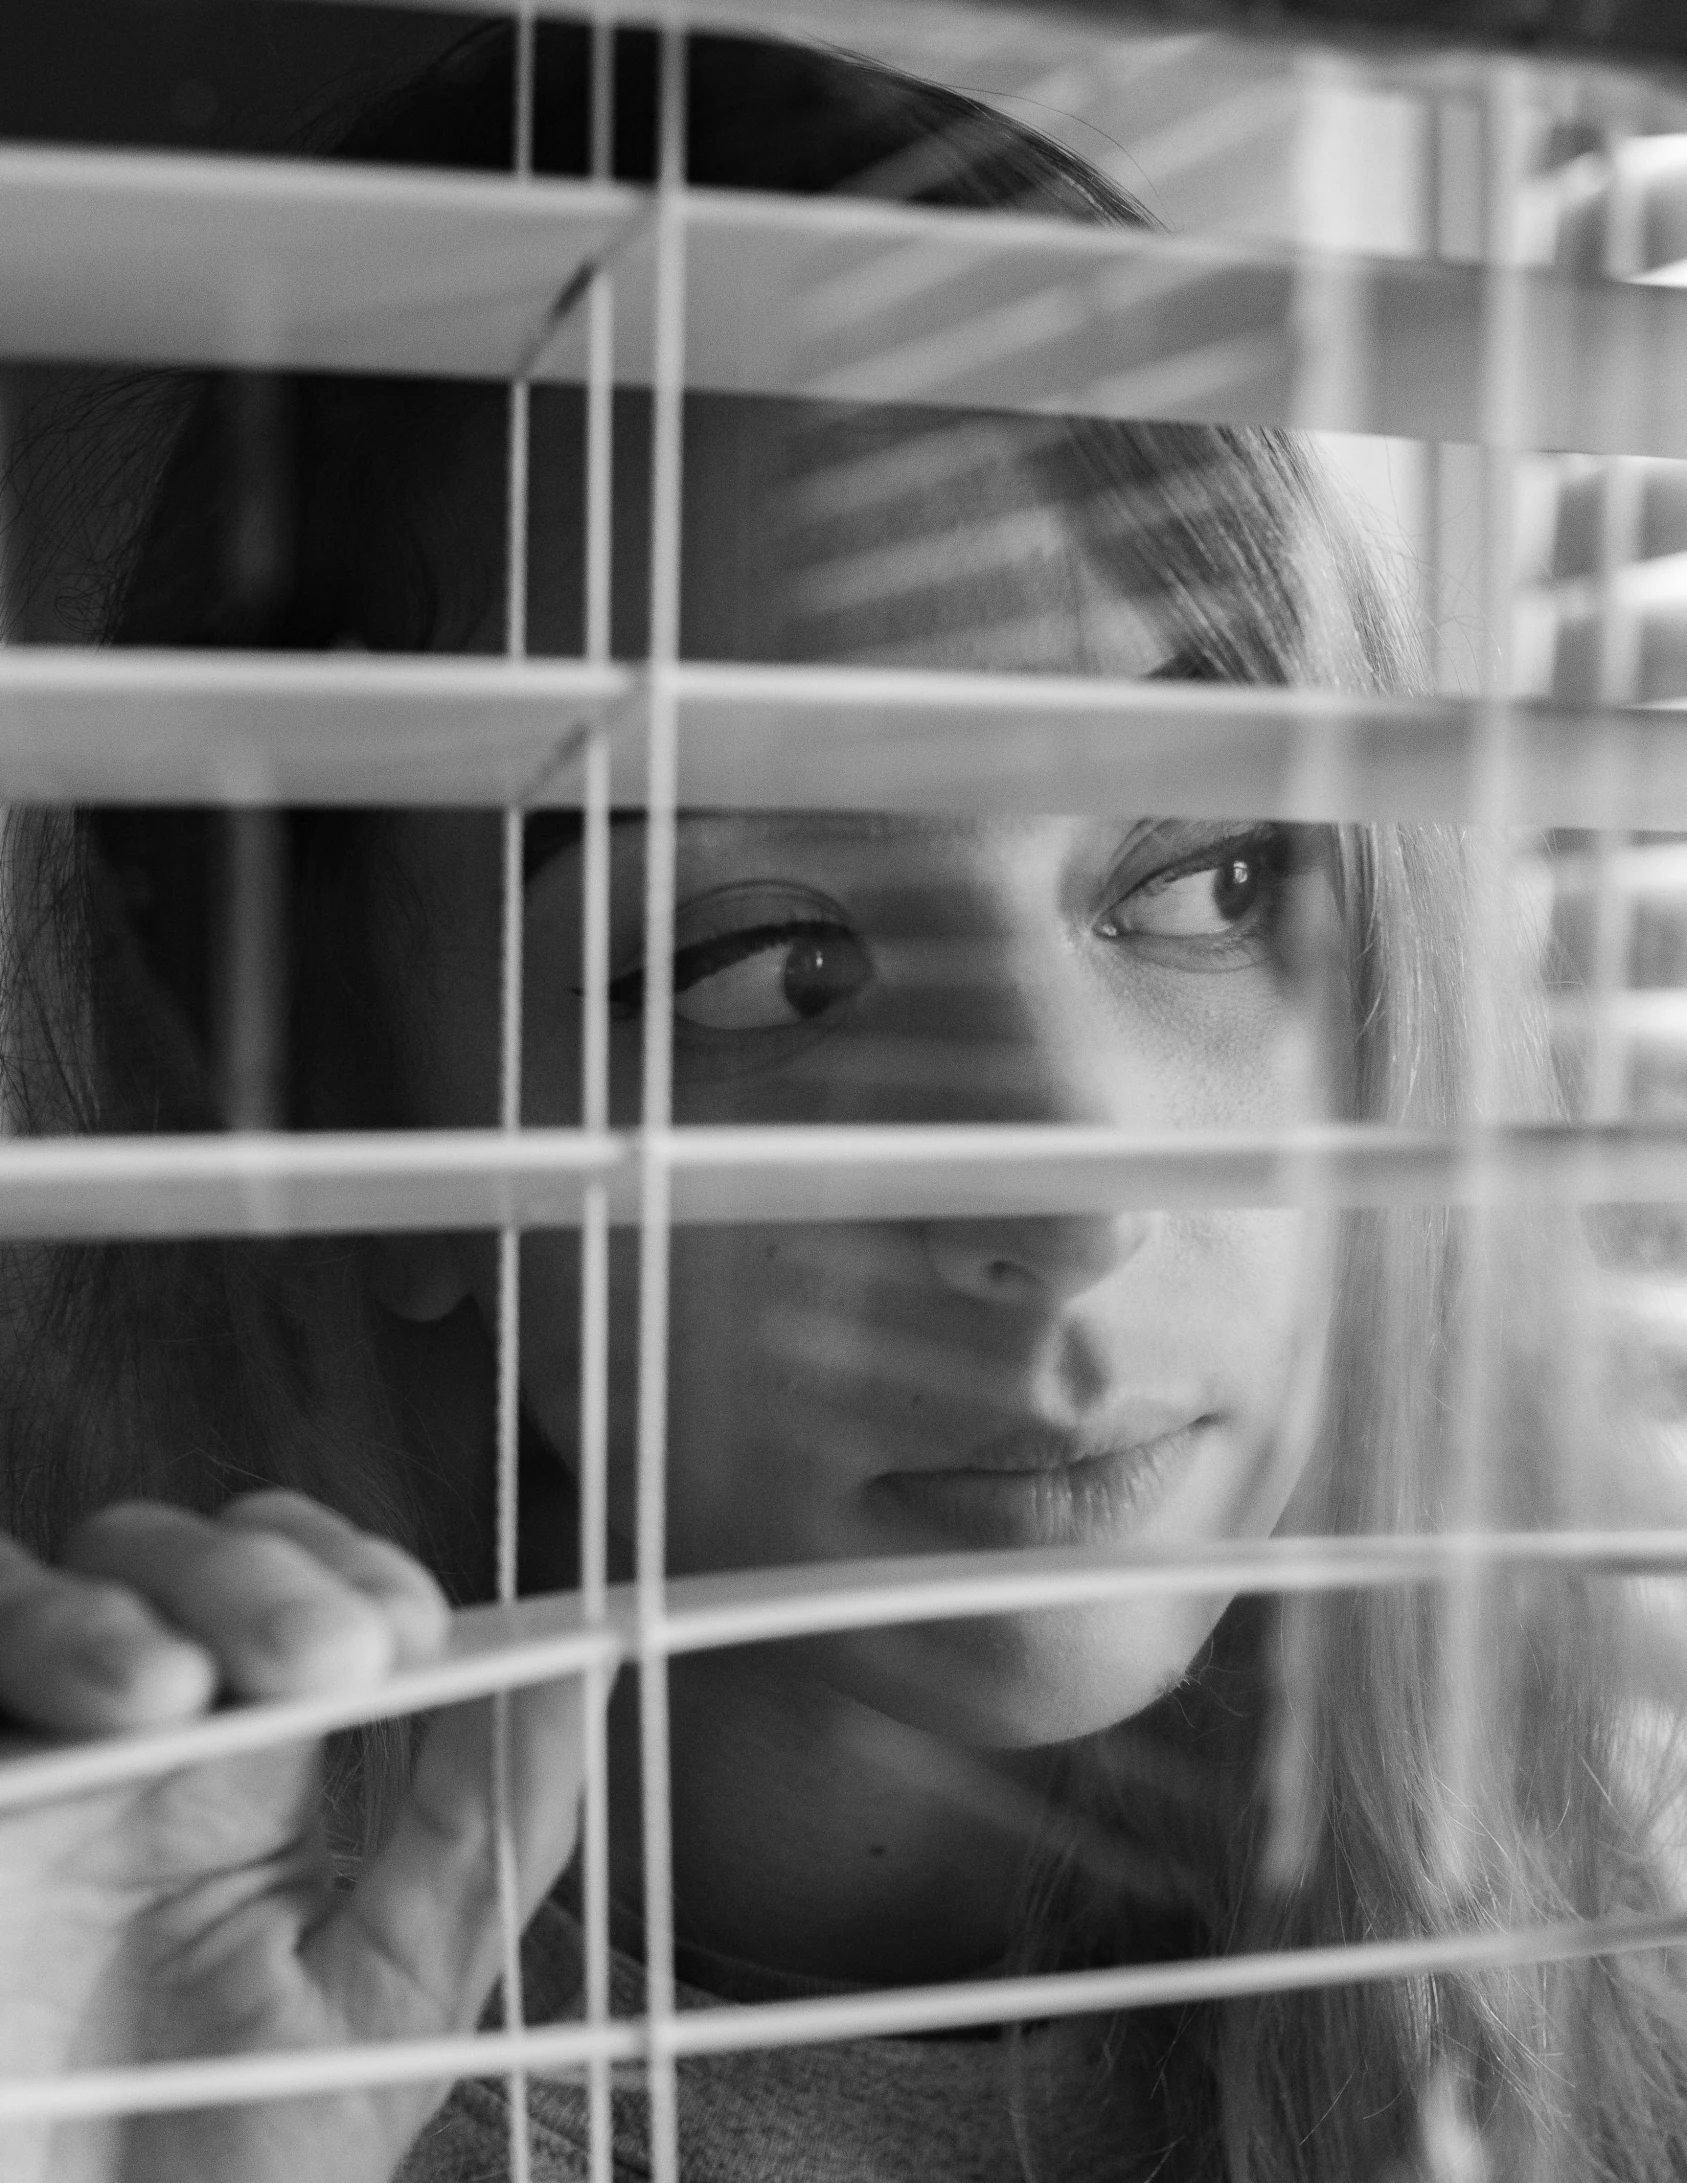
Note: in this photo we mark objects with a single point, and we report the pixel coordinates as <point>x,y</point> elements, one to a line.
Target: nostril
<point>1020,1260</point>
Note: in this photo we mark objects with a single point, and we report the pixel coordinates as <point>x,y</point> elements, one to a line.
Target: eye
<point>1192,905</point>
<point>757,957</point>
<point>1226,898</point>
<point>765,977</point>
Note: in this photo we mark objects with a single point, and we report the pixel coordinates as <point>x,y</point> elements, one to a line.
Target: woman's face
<point>885,1388</point>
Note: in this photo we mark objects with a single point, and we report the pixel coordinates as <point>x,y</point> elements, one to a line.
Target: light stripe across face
<point>912,544</point>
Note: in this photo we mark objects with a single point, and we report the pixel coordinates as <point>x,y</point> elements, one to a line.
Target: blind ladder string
<point>1332,362</point>
<point>594,1207</point>
<point>509,1118</point>
<point>1474,1448</point>
<point>668,393</point>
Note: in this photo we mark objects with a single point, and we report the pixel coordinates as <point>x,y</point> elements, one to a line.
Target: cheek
<point>1225,1051</point>
<point>778,1319</point>
<point>732,1491</point>
<point>1268,1301</point>
<point>1260,1267</point>
<point>723,1375</point>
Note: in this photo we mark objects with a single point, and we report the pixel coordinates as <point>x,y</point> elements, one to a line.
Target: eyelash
<point>1276,849</point>
<point>704,957</point>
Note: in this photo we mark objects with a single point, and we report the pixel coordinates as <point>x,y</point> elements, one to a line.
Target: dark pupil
<point>1235,886</point>
<point>821,969</point>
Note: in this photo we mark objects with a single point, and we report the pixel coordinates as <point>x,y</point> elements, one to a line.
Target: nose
<point>1031,1043</point>
<point>1067,1071</point>
<point>1031,1263</point>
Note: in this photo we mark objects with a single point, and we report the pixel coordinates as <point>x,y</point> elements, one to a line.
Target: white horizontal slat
<point>888,1173</point>
<point>150,258</point>
<point>64,1187</point>
<point>753,1607</point>
<point>555,2049</point>
<point>544,1638</point>
<point>316,1184</point>
<point>791,737</point>
<point>850,300</point>
<point>1653,1016</point>
<point>1648,1308</point>
<point>1648,205</point>
<point>155,258</point>
<point>81,725</point>
<point>1644,871</point>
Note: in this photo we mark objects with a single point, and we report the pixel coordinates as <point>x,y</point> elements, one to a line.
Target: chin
<point>1022,1682</point>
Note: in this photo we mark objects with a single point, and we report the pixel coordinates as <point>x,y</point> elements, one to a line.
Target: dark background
<point>204,75</point>
<point>280,74</point>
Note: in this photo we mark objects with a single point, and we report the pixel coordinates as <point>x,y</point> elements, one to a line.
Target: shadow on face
<point>889,1386</point>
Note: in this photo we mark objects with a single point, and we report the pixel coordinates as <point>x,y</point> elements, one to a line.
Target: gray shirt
<point>861,2111</point>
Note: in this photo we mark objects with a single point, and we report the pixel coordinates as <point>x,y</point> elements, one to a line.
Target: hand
<point>196,1914</point>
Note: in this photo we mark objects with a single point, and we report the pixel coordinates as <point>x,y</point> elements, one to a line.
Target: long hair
<point>1325,1772</point>
<point>1400,1763</point>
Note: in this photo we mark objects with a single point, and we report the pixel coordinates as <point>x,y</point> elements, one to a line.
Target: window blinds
<point>1578,351</point>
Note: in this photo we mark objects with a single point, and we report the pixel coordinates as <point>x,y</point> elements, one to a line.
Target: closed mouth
<point>1041,1450</point>
<point>1050,1488</point>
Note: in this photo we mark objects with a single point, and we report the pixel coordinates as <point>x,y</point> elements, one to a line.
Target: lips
<point>1046,1448</point>
<point>1041,1487</point>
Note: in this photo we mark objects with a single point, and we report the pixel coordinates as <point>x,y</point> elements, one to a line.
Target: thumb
<point>415,1947</point>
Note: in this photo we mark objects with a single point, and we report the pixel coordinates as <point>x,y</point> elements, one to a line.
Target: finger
<point>277,1623</point>
<point>420,1935</point>
<point>85,1657</point>
<point>406,1593</point>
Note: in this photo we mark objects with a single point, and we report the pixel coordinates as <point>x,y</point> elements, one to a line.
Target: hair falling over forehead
<point>1301,1785</point>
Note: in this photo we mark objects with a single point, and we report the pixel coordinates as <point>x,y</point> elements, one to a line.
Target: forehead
<point>878,860</point>
<point>828,532</point>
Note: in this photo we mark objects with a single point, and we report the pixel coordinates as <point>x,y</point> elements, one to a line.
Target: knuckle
<point>104,1609</point>
<point>266,1566</point>
<point>286,1599</point>
<point>45,1607</point>
<point>121,1525</point>
<point>111,1635</point>
<point>380,1561</point>
<point>21,1575</point>
<point>64,1615</point>
<point>270,1505</point>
